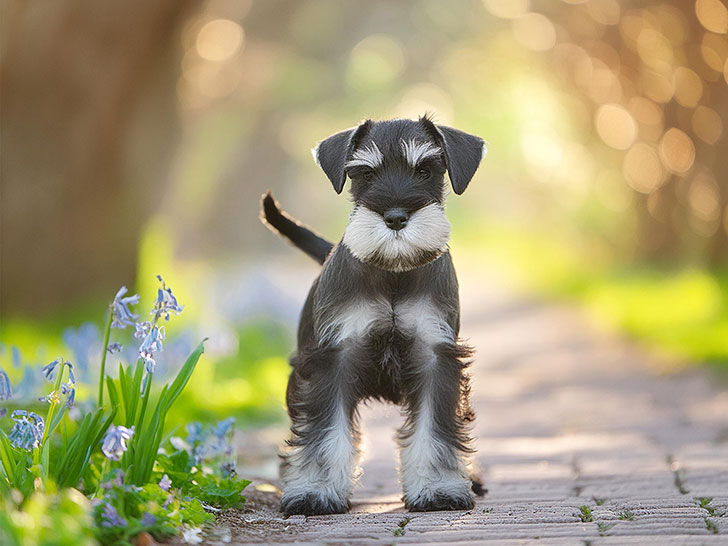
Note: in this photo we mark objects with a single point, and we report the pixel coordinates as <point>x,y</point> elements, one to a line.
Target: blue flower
<point>166,302</point>
<point>165,483</point>
<point>67,389</point>
<point>148,520</point>
<point>151,344</point>
<point>142,329</point>
<point>27,432</point>
<point>17,358</point>
<point>223,427</point>
<point>3,412</point>
<point>70,399</point>
<point>114,348</point>
<point>6,390</point>
<point>85,343</point>
<point>115,441</point>
<point>195,432</point>
<point>111,518</point>
<point>48,369</point>
<point>121,315</point>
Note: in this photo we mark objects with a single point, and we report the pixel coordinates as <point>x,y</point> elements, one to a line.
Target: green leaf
<point>7,457</point>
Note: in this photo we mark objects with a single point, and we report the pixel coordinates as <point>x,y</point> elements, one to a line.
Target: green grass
<point>626,515</point>
<point>400,530</point>
<point>681,312</point>
<point>249,385</point>
<point>585,514</point>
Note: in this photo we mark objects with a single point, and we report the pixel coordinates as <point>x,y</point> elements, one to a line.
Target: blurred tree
<point>656,76</point>
<point>88,123</point>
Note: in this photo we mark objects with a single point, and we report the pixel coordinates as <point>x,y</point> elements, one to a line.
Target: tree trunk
<point>88,123</point>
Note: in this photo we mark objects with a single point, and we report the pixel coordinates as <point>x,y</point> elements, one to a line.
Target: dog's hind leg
<point>321,467</point>
<point>434,440</point>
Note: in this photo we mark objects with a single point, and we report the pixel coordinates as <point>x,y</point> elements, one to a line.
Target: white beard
<point>421,241</point>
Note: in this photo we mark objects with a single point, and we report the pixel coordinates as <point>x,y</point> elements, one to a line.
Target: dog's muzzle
<point>397,240</point>
<point>396,219</point>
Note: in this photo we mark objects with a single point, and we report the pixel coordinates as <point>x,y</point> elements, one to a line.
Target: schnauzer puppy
<point>382,319</point>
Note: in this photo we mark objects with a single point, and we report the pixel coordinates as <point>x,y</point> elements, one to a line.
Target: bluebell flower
<point>195,432</point>
<point>6,390</point>
<point>114,348</point>
<point>111,518</point>
<point>67,389</point>
<point>148,520</point>
<point>3,412</point>
<point>27,432</point>
<point>165,483</point>
<point>223,427</point>
<point>151,344</point>
<point>168,501</point>
<point>115,441</point>
<point>121,315</point>
<point>71,398</point>
<point>166,302</point>
<point>85,343</point>
<point>142,329</point>
<point>48,369</point>
<point>17,358</point>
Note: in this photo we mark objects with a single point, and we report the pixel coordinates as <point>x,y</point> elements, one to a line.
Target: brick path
<point>578,441</point>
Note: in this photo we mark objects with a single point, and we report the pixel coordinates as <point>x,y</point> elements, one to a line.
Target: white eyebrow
<point>414,151</point>
<point>367,156</point>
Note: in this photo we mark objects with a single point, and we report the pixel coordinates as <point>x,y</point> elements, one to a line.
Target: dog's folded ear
<point>332,153</point>
<point>463,153</point>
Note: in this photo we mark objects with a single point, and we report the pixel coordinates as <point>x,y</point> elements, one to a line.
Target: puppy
<point>382,320</point>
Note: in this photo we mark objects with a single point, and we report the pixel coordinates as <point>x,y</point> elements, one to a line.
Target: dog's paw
<point>312,504</point>
<point>438,500</point>
<point>441,498</point>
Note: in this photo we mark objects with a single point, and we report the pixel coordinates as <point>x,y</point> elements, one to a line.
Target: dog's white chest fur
<point>417,317</point>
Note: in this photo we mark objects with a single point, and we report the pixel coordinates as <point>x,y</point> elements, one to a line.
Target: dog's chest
<point>367,319</point>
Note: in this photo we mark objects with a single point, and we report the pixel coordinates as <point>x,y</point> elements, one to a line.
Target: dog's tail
<point>281,223</point>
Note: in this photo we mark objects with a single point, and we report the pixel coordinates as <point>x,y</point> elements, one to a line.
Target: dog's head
<point>397,171</point>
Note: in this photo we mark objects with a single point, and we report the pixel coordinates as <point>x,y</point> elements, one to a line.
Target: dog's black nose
<point>396,219</point>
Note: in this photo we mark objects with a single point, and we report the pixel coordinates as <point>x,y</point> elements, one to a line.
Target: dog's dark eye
<point>424,173</point>
<point>368,175</point>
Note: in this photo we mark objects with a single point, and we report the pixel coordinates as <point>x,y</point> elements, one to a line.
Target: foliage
<point>127,510</point>
<point>224,492</point>
<point>47,519</point>
<point>681,312</point>
<point>139,459</point>
<point>120,467</point>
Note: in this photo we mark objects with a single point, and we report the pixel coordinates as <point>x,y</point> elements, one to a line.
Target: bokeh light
<point>642,168</point>
<point>713,15</point>
<point>616,126</point>
<point>219,40</point>
<point>677,150</point>
<point>534,31</point>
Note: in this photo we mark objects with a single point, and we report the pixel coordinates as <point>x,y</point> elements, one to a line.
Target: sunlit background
<point>138,136</point>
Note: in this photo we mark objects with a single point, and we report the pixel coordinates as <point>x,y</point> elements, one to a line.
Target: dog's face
<point>397,169</point>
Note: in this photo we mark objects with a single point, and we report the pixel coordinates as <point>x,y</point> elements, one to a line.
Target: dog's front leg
<point>320,469</point>
<point>434,439</point>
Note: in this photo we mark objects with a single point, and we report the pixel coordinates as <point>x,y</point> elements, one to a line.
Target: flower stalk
<point>107,334</point>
